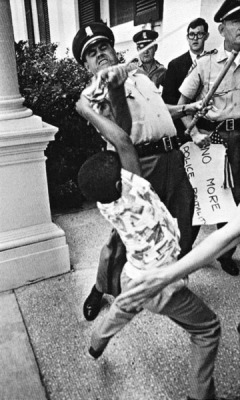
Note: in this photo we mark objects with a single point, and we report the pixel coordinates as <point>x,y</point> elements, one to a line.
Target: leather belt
<point>163,145</point>
<point>227,125</point>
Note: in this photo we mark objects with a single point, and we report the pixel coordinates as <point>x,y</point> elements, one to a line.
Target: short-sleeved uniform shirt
<point>151,119</point>
<point>157,72</point>
<point>226,99</point>
<point>146,227</point>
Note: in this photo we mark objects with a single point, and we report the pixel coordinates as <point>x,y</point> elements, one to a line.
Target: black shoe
<point>229,266</point>
<point>238,328</point>
<point>95,354</point>
<point>92,304</point>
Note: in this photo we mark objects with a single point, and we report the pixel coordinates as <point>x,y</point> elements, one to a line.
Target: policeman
<point>225,114</point>
<point>136,106</point>
<point>147,63</point>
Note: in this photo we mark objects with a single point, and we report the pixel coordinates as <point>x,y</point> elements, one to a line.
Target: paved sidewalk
<point>44,336</point>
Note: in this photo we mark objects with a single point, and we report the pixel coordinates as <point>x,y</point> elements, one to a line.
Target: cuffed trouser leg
<point>112,323</point>
<point>193,315</point>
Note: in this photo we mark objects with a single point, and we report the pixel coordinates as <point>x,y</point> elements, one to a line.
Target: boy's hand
<point>115,76</point>
<point>83,105</point>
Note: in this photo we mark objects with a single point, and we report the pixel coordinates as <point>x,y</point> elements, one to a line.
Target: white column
<point>31,246</point>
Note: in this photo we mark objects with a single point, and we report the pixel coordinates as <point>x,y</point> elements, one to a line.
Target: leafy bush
<point>51,88</point>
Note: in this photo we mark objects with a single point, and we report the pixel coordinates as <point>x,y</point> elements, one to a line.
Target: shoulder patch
<point>206,53</point>
<point>209,53</point>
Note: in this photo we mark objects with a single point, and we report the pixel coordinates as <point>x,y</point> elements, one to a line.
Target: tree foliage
<point>51,88</point>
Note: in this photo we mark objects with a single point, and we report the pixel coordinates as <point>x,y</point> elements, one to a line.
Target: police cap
<point>88,35</point>
<point>145,36</point>
<point>230,9</point>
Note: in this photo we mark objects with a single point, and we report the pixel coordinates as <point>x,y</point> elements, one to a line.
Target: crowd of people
<point>141,186</point>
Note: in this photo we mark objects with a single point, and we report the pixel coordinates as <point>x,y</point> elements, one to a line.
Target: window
<point>146,11</point>
<point>29,20</point>
<point>43,21</point>
<point>89,11</point>
<point>121,11</point>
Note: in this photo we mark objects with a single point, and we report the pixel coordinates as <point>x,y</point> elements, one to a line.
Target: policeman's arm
<point>113,134</point>
<point>185,109</point>
<point>200,139</point>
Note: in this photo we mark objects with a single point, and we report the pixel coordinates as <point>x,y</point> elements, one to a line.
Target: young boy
<point>216,244</point>
<point>151,236</point>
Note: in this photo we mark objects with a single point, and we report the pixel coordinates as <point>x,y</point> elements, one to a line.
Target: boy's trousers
<point>189,312</point>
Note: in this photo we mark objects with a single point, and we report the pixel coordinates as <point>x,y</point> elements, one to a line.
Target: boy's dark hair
<point>98,176</point>
<point>198,22</point>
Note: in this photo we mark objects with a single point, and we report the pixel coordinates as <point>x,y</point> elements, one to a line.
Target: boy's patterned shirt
<point>146,227</point>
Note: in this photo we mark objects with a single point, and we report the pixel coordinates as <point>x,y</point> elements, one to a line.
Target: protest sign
<point>205,170</point>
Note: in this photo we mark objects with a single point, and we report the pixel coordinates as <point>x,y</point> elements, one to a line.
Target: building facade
<point>58,21</point>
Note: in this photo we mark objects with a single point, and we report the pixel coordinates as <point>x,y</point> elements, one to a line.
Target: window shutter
<point>43,21</point>
<point>89,11</point>
<point>120,11</point>
<point>147,11</point>
<point>29,21</point>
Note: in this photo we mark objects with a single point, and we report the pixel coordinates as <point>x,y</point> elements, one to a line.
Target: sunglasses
<point>141,46</point>
<point>198,35</point>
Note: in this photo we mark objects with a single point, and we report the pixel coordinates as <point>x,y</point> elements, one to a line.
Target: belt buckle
<point>230,124</point>
<point>167,143</point>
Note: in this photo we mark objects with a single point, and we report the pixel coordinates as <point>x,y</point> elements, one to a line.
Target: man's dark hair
<point>198,22</point>
<point>98,176</point>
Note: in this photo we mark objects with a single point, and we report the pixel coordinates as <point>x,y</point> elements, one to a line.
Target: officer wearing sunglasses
<point>147,63</point>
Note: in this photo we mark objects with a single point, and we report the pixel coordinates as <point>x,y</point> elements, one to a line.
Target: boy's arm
<point>116,76</point>
<point>112,133</point>
<point>154,280</point>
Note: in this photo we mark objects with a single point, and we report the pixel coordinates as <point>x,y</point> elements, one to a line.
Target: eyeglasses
<point>198,35</point>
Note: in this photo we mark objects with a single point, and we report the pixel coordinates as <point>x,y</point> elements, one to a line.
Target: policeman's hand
<point>201,139</point>
<point>115,75</point>
<point>197,106</point>
<point>82,105</point>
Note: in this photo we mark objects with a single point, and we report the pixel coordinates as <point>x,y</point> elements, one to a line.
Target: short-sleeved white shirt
<point>226,99</point>
<point>151,119</point>
<point>146,227</point>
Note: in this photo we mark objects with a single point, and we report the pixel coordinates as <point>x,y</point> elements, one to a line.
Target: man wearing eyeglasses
<point>178,68</point>
<point>147,62</point>
<point>197,34</point>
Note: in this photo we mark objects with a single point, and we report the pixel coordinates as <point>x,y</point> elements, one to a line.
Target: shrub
<point>51,88</point>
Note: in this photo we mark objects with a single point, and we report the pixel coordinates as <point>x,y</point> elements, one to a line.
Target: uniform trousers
<point>189,312</point>
<point>166,173</point>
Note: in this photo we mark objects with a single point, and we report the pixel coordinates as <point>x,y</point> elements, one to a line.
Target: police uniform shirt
<point>156,74</point>
<point>195,57</point>
<point>151,119</point>
<point>226,99</point>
